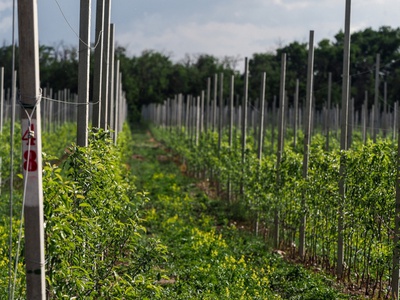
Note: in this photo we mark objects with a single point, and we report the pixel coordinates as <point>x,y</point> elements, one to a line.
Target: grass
<point>210,255</point>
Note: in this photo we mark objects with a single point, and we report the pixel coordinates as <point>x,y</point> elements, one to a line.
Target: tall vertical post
<point>179,112</point>
<point>83,76</point>
<point>328,109</point>
<point>202,112</point>
<point>230,141</point>
<point>13,101</point>
<point>231,111</point>
<point>111,101</point>
<point>296,113</point>
<point>261,124</point>
<point>351,121</point>
<point>244,106</point>
<point>221,109</point>
<point>396,239</point>
<point>196,105</point>
<point>243,113</point>
<point>98,66</point>
<point>343,139</point>
<point>376,97</point>
<point>395,112</point>
<point>187,111</point>
<point>106,65</point>
<point>260,143</point>
<point>1,167</point>
<point>273,119</point>
<point>117,100</point>
<point>208,103</point>
<point>1,98</point>
<point>364,117</point>
<point>307,141</point>
<point>51,114</point>
<point>282,96</point>
<point>122,103</point>
<point>31,148</point>
<point>214,114</point>
<point>65,107</point>
<point>384,110</point>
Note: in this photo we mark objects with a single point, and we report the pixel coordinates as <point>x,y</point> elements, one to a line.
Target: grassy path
<point>208,256</point>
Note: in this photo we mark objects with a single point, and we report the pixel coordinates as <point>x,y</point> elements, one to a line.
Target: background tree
<point>152,76</point>
<point>259,63</point>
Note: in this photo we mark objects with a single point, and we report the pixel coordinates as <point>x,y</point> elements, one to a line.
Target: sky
<point>237,28</point>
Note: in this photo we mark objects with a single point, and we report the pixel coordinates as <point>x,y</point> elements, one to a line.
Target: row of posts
<point>201,113</point>
<point>34,104</point>
<point>61,107</point>
<point>176,112</point>
<point>108,97</point>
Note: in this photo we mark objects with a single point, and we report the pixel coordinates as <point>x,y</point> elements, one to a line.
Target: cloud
<point>217,27</point>
<point>290,5</point>
<point>5,15</point>
<point>5,23</point>
<point>215,38</point>
<point>5,5</point>
<point>234,26</point>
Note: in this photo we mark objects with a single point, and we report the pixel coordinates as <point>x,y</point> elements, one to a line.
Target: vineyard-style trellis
<point>330,201</point>
<point>42,109</point>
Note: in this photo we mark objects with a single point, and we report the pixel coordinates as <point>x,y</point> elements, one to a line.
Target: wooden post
<point>178,100</point>
<point>122,105</point>
<point>214,109</point>
<point>106,65</point>
<point>351,121</point>
<point>396,238</point>
<point>244,108</point>
<point>193,118</point>
<point>196,104</point>
<point>395,113</point>
<point>208,103</point>
<point>296,113</point>
<point>273,119</point>
<point>187,111</point>
<point>343,139</point>
<point>260,142</point>
<point>1,98</point>
<point>31,148</point>
<point>231,115</point>
<point>307,141</point>
<point>59,108</point>
<point>111,100</point>
<point>244,119</point>
<point>328,115</point>
<point>385,110</point>
<point>281,129</point>
<point>231,112</point>
<point>83,76</point>
<point>98,66</point>
<point>261,124</point>
<point>117,100</point>
<point>376,97</point>
<point>51,113</point>
<point>364,118</point>
<point>202,112</point>
<point>221,109</point>
<point>13,101</point>
<point>43,110</point>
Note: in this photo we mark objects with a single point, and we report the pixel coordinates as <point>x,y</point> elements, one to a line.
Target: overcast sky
<point>217,27</point>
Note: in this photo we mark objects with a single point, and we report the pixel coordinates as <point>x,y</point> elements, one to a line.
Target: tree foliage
<point>153,76</point>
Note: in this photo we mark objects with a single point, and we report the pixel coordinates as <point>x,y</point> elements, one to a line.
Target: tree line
<point>153,76</point>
